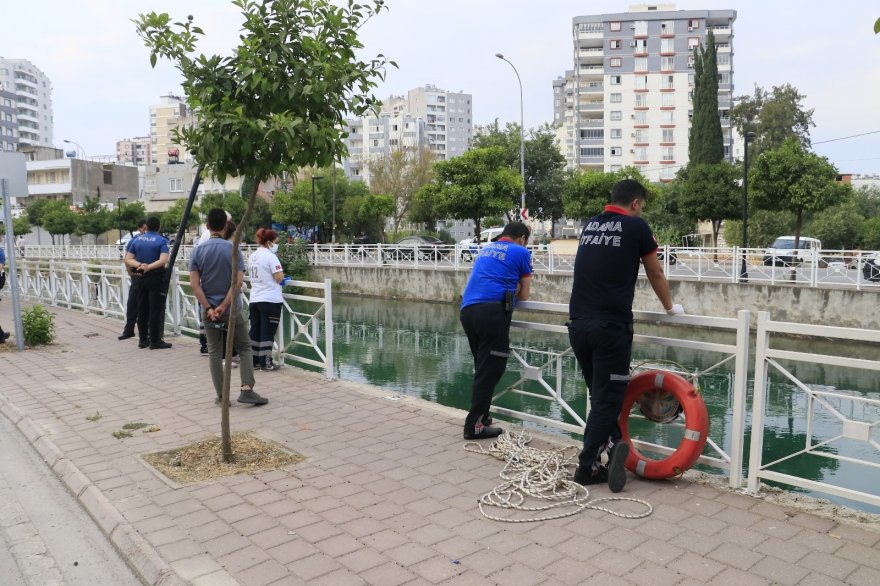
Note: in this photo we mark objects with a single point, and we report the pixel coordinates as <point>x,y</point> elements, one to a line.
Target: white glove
<point>676,309</point>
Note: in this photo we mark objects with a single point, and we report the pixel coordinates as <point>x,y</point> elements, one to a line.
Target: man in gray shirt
<point>210,271</point>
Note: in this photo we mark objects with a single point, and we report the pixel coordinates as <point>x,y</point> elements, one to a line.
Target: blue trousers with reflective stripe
<point>603,349</point>
<point>487,326</point>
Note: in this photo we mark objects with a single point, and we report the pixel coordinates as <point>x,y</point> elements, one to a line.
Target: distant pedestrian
<point>210,272</point>
<point>20,244</point>
<point>3,335</point>
<point>266,300</point>
<point>148,254</point>
<point>133,304</point>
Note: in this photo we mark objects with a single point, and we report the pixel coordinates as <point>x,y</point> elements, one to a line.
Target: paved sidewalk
<point>386,494</point>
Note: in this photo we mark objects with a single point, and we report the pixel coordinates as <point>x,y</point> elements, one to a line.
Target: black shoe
<point>251,398</point>
<point>160,345</point>
<point>487,420</point>
<point>125,336</point>
<point>270,365</point>
<point>617,456</point>
<point>203,350</point>
<point>586,478</point>
<point>483,433</point>
<point>4,336</point>
<point>143,344</point>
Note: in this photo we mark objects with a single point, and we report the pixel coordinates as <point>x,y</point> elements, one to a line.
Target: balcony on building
<point>589,30</point>
<point>720,30</point>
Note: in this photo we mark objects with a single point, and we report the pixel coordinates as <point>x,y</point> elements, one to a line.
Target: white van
<point>469,248</point>
<point>783,253</point>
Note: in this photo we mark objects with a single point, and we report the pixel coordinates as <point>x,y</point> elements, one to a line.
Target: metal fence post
<point>758,398</point>
<point>740,389</point>
<point>328,326</point>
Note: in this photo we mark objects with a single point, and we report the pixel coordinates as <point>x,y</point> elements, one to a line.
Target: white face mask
<point>274,248</point>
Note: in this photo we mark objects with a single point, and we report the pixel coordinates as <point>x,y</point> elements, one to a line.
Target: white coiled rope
<point>538,475</point>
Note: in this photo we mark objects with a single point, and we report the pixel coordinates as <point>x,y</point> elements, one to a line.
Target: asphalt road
<point>46,538</point>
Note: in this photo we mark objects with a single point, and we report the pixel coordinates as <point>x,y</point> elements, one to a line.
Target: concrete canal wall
<point>821,306</point>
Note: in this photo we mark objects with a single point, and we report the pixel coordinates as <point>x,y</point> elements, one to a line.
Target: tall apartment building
<point>8,121</point>
<point>427,117</point>
<point>32,100</point>
<point>165,117</point>
<point>628,99</point>
<point>134,151</point>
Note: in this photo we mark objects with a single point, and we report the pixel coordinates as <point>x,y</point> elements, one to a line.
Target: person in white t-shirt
<point>266,276</point>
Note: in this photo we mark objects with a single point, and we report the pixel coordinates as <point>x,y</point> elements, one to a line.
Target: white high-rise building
<point>165,117</point>
<point>32,100</point>
<point>629,98</point>
<point>427,117</point>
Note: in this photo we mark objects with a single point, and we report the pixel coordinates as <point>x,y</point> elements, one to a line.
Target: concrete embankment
<point>821,306</point>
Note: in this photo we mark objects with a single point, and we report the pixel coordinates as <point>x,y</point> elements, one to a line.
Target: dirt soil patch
<point>204,460</point>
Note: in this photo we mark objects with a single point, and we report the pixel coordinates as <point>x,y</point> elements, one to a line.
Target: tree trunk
<point>225,435</point>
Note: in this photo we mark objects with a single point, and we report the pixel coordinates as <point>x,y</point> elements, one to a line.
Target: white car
<point>122,243</point>
<point>469,249</point>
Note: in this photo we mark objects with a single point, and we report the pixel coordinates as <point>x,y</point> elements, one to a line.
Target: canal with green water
<point>419,349</point>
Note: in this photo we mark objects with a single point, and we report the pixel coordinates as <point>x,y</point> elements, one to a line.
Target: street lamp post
<point>522,135</point>
<point>86,162</point>
<point>119,215</point>
<point>744,271</point>
<point>314,210</point>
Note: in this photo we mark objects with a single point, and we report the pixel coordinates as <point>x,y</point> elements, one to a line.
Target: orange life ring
<point>696,416</point>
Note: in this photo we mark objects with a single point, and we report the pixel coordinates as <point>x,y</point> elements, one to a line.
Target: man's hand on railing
<point>676,309</point>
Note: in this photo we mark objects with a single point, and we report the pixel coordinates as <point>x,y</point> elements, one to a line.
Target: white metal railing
<point>825,268</point>
<point>857,415</point>
<point>549,365</point>
<point>103,289</point>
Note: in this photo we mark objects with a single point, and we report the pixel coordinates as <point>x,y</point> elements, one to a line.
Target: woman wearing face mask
<point>266,276</point>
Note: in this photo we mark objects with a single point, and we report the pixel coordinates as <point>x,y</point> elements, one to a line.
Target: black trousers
<point>265,316</point>
<point>134,308</point>
<point>603,349</point>
<point>151,315</point>
<point>487,326</point>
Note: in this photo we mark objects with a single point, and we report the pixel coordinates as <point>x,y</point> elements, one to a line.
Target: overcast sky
<point>103,83</point>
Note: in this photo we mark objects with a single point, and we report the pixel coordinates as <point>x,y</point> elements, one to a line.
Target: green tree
<point>868,200</point>
<point>839,227</point>
<point>21,225</point>
<point>773,116</point>
<point>35,211</point>
<point>93,219</point>
<point>232,202</point>
<point>400,174</point>
<point>292,207</point>
<point>544,165</point>
<point>127,216</point>
<point>711,192</point>
<point>473,185</point>
<point>276,103</point>
<point>585,193</point>
<point>764,227</point>
<point>790,178</point>
<point>171,217</point>
<point>871,234</point>
<point>367,213</point>
<point>58,219</point>
<point>706,145</point>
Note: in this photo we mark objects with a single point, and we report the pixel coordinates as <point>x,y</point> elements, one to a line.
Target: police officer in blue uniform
<point>600,329</point>
<point>501,275</point>
<point>147,256</point>
<point>132,307</point>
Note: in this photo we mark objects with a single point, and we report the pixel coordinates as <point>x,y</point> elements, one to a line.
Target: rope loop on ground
<point>532,477</point>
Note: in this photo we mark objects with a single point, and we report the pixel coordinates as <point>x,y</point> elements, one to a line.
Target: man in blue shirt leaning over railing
<point>501,276</point>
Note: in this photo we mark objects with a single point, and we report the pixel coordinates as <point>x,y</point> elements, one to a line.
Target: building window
<point>640,153</point>
<point>614,44</point>
<point>616,98</point>
<point>668,135</point>
<point>668,82</point>
<point>641,82</point>
<point>693,43</point>
<point>667,27</point>
<point>175,185</point>
<point>614,168</point>
<point>615,62</point>
<point>667,154</point>
<point>593,152</point>
<point>690,61</point>
<point>641,45</point>
<point>616,151</point>
<point>592,133</point>
<point>667,172</point>
<point>616,115</point>
<point>667,100</point>
<point>668,116</point>
<point>614,79</point>
<point>723,58</point>
<point>691,78</point>
<point>723,78</point>
<point>640,28</point>
<point>641,100</point>
<point>667,45</point>
<point>616,133</point>
<point>641,64</point>
<point>667,63</point>
<point>640,135</point>
<point>614,26</point>
<point>641,117</point>
<point>693,24</point>
<point>108,177</point>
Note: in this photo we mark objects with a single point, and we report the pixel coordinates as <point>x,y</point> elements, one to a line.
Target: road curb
<point>138,553</point>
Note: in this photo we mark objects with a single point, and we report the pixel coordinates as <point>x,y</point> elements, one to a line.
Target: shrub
<point>38,325</point>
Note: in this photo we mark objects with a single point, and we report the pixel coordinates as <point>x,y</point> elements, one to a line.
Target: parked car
<point>871,267</point>
<point>427,248</point>
<point>469,248</point>
<point>661,255</point>
<point>783,253</point>
<point>122,243</point>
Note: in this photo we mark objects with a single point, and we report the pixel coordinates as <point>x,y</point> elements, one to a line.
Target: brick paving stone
<point>815,579</point>
<point>341,577</point>
<point>362,559</point>
<point>267,572</point>
<point>209,531</point>
<point>813,522</point>
<point>744,536</point>
<point>786,550</point>
<point>254,524</point>
<point>436,570</point>
<point>537,556</point>
<point>178,550</point>
<point>657,551</point>
<point>272,537</point>
<point>818,541</point>
<point>196,566</point>
<point>242,559</point>
<point>579,548</point>
<point>697,567</point>
<point>291,551</point>
<point>227,543</point>
<point>860,554</point>
<point>649,574</point>
<point>738,577</point>
<point>779,571</point>
<point>829,565</point>
<point>864,577</point>
<point>856,534</point>
<point>736,556</point>
<point>312,567</point>
<point>518,574</point>
<point>388,574</point>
